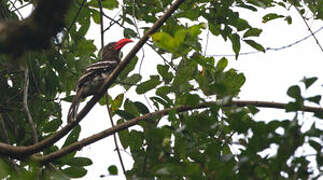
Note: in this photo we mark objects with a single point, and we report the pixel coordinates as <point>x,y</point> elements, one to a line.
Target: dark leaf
<point>252,32</point>
<point>309,81</point>
<point>129,33</point>
<point>294,92</point>
<point>73,136</point>
<point>270,16</point>
<point>314,99</point>
<point>113,170</point>
<point>148,85</point>
<point>79,161</point>
<point>255,45</point>
<point>221,65</point>
<point>235,40</point>
<point>52,125</point>
<point>75,172</point>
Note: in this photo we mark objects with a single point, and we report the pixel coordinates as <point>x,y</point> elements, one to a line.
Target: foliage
<point>195,144</point>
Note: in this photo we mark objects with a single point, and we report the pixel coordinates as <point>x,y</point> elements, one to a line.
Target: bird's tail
<point>72,112</point>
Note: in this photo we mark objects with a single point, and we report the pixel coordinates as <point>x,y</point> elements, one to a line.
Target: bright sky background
<point>268,77</point>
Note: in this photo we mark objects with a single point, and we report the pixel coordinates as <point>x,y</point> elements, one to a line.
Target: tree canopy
<point>184,127</point>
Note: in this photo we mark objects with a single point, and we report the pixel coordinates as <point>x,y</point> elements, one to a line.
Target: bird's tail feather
<point>72,112</point>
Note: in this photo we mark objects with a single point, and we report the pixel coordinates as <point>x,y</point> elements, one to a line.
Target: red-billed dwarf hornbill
<point>94,75</point>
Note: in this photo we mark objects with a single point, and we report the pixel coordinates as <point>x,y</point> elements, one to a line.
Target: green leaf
<point>130,81</point>
<point>52,125</point>
<point>79,161</point>
<point>309,81</point>
<point>135,140</point>
<point>179,37</point>
<point>314,99</point>
<point>124,114</point>
<point>195,30</point>
<point>294,106</point>
<point>73,136</point>
<point>68,98</point>
<point>235,40</point>
<point>192,99</point>
<point>241,24</point>
<point>103,101</point>
<point>270,16</point>
<point>117,102</point>
<point>294,92</point>
<point>109,4</point>
<point>221,65</point>
<point>319,115</point>
<point>288,19</point>
<point>163,91</point>
<point>113,170</point>
<point>141,107</point>
<point>148,85</point>
<point>75,172</point>
<point>131,66</point>
<point>184,73</point>
<point>95,16</point>
<point>123,135</point>
<point>165,41</point>
<point>215,28</point>
<point>255,45</point>
<point>163,71</point>
<point>130,107</point>
<point>253,110</point>
<point>129,33</point>
<point>252,32</point>
<point>317,146</point>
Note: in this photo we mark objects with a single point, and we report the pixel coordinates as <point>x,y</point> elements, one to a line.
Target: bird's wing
<point>89,73</point>
<point>96,69</point>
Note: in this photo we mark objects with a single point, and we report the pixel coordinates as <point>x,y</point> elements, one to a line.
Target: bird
<point>95,74</point>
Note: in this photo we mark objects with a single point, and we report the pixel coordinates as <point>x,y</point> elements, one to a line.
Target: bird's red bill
<point>121,43</point>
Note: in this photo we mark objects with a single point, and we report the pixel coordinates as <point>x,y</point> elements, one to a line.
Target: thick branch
<point>23,151</point>
<point>35,32</point>
<point>96,137</point>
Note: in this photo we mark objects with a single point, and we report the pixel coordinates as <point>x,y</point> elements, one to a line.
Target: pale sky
<point>268,76</point>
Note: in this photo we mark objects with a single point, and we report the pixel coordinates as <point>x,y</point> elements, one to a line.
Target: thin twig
<point>207,42</point>
<point>20,7</point>
<point>115,136</point>
<point>115,21</point>
<point>25,101</point>
<point>309,28</point>
<point>14,6</point>
<point>270,48</point>
<point>101,24</point>
<point>164,59</point>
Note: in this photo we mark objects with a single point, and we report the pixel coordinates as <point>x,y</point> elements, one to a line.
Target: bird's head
<point>112,50</point>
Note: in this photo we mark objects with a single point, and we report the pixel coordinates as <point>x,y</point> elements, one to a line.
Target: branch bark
<point>96,137</point>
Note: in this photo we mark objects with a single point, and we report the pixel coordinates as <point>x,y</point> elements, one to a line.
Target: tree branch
<point>96,137</point>
<point>24,151</point>
<point>36,31</point>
